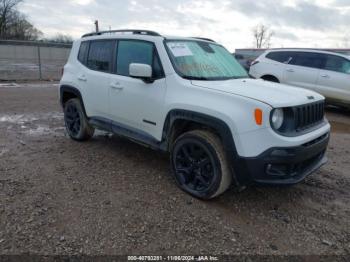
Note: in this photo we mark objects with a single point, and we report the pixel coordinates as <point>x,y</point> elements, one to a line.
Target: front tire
<point>77,125</point>
<point>200,164</point>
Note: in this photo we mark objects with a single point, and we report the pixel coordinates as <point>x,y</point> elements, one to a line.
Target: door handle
<point>116,86</point>
<point>290,70</point>
<point>82,78</point>
<point>325,75</point>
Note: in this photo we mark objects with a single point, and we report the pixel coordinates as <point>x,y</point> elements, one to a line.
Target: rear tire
<point>270,78</point>
<point>77,125</point>
<point>200,165</point>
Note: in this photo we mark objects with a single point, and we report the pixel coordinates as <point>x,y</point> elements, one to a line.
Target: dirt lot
<point>111,196</point>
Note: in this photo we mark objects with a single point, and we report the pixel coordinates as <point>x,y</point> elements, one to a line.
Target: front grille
<point>306,116</point>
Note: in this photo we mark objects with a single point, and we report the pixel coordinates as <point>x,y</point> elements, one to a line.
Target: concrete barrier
<point>27,60</point>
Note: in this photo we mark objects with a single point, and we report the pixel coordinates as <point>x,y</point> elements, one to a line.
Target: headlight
<point>277,118</point>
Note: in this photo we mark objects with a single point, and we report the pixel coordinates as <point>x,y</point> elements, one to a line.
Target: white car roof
<point>119,36</point>
<point>307,50</point>
<point>137,34</point>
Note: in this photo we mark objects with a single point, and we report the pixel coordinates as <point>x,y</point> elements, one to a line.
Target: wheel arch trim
<point>72,90</point>
<point>213,122</point>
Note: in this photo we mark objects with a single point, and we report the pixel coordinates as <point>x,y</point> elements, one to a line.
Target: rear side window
<point>83,51</point>
<point>101,55</point>
<point>282,57</point>
<point>130,51</point>
<point>308,59</point>
<point>338,64</point>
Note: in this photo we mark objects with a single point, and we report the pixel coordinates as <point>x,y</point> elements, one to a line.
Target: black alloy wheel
<point>77,124</point>
<point>199,164</point>
<point>72,118</point>
<point>194,166</point>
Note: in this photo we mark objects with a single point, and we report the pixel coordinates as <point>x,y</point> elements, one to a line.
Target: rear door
<point>273,63</point>
<point>133,102</point>
<point>302,69</point>
<point>334,79</point>
<point>80,81</point>
<point>95,77</point>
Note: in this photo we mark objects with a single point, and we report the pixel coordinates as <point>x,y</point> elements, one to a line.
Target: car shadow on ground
<point>337,110</point>
<point>340,119</point>
<point>148,159</point>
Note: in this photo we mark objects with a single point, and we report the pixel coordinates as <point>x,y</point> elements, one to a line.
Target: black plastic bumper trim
<point>300,161</point>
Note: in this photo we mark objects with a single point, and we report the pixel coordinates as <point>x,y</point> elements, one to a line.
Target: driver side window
<point>131,51</point>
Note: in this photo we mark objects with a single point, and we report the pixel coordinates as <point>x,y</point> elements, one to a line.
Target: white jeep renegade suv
<point>190,97</point>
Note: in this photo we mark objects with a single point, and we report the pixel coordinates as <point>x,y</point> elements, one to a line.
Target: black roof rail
<point>133,31</point>
<point>203,38</point>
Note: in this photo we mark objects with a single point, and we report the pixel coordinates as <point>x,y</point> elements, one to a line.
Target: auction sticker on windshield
<point>179,49</point>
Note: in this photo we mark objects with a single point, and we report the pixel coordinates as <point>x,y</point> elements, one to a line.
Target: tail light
<point>62,71</point>
<point>254,62</point>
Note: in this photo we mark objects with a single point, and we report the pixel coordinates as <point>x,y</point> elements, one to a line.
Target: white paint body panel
<point>334,85</point>
<point>232,101</point>
<point>136,102</point>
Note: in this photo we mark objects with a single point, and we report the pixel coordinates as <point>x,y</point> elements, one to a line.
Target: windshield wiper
<point>195,78</point>
<point>213,78</point>
<point>236,77</point>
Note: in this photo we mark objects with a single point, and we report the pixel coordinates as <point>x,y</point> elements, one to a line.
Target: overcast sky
<point>296,23</point>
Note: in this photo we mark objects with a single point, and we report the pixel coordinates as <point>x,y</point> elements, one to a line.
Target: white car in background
<point>324,72</point>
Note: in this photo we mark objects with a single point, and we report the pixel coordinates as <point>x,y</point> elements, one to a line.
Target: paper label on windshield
<point>179,49</point>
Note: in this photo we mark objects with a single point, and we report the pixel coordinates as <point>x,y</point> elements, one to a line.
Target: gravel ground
<point>111,196</point>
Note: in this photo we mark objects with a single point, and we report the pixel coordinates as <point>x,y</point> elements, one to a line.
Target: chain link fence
<point>30,60</point>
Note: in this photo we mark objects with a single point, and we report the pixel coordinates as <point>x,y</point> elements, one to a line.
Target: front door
<point>134,103</point>
<point>334,80</point>
<point>302,69</point>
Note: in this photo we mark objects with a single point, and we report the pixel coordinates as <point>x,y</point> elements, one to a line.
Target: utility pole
<point>39,63</point>
<point>96,26</point>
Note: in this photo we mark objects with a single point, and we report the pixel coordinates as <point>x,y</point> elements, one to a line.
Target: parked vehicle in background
<point>324,72</point>
<point>191,98</point>
<point>244,62</point>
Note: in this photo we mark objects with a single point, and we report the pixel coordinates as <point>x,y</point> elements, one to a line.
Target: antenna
<point>96,26</point>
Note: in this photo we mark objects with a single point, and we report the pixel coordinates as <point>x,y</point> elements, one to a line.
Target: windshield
<point>201,60</point>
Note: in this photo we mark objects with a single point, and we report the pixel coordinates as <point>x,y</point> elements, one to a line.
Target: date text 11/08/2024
<point>173,258</point>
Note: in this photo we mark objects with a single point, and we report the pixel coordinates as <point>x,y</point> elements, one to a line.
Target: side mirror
<point>141,71</point>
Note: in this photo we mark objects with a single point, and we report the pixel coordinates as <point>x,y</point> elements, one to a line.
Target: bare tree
<point>7,14</point>
<point>13,24</point>
<point>61,38</point>
<point>262,36</point>
<point>21,29</point>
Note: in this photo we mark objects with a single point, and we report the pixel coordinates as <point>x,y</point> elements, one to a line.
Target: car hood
<point>274,94</point>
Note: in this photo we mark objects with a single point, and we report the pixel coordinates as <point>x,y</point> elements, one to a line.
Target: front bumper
<point>282,166</point>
